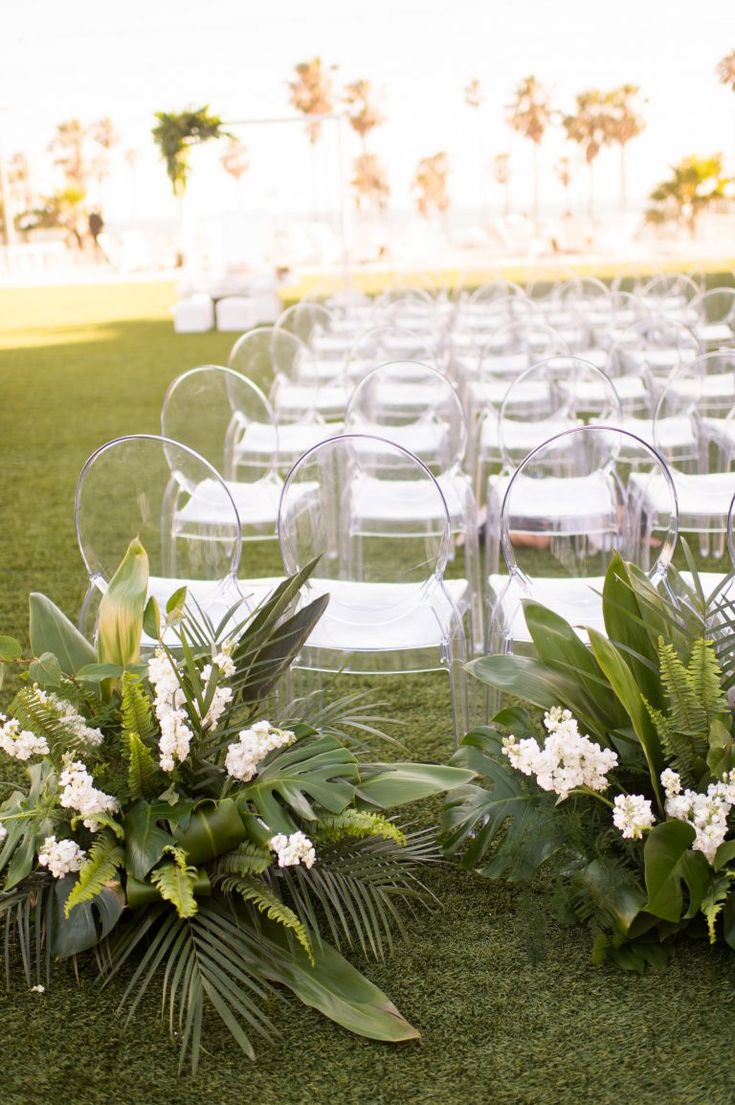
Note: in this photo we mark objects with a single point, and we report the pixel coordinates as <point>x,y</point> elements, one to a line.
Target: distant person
<point>96,225</point>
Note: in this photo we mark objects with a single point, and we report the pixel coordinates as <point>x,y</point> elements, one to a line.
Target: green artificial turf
<point>510,1009</point>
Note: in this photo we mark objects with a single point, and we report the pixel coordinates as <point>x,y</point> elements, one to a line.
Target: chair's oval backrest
<point>654,345</point>
<point>209,408</point>
<point>381,344</point>
<point>148,486</point>
<point>517,345</point>
<point>557,394</point>
<point>305,320</point>
<point>419,399</point>
<point>566,519</point>
<point>715,306</point>
<point>390,528</point>
<point>493,291</point>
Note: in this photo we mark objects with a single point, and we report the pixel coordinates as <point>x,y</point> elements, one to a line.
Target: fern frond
<point>143,771</point>
<point>44,719</point>
<point>135,708</point>
<point>687,714</point>
<point>705,678</point>
<point>247,859</point>
<point>714,902</point>
<point>175,882</point>
<point>686,754</point>
<point>100,868</point>
<point>359,824</point>
<point>103,819</point>
<point>267,901</point>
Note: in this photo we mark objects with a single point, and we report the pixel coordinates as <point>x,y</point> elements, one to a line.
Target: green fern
<point>143,771</point>
<point>267,902</point>
<point>687,714</point>
<point>135,708</point>
<point>683,752</point>
<point>705,678</point>
<point>359,824</point>
<point>714,901</point>
<point>175,882</point>
<point>247,859</point>
<point>105,857</point>
<point>44,720</point>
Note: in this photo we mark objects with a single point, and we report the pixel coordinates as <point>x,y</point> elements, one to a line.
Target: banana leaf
<point>51,631</point>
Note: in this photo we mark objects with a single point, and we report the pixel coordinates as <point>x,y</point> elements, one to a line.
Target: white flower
<point>671,782</point>
<point>566,761</point>
<point>293,849</point>
<point>62,857</point>
<point>252,747</point>
<point>38,989</point>
<point>79,793</point>
<point>223,660</point>
<point>74,722</point>
<point>632,815</point>
<point>706,813</point>
<point>3,833</point>
<point>20,744</point>
<point>221,698</point>
<point>169,700</point>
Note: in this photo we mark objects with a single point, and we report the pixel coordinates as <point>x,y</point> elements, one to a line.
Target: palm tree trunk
<point>591,193</point>
<point>506,199</point>
<point>536,174</point>
<point>623,180</point>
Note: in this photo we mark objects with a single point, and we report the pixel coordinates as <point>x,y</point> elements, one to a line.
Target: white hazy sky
<point>91,58</point>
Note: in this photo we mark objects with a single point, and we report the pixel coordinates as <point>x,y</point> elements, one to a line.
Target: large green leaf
<point>395,784</point>
<point>333,986</point>
<point>560,647</point>
<point>319,770</point>
<point>145,836</point>
<point>626,626</point>
<point>623,682</point>
<point>51,631</point>
<point>506,829</point>
<point>539,684</point>
<point>88,923</point>
<point>669,863</point>
<point>120,622</point>
<point>614,891</point>
<point>214,828</point>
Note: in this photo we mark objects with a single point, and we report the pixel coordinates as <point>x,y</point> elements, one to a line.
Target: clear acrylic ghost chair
<point>150,487</point>
<point>299,393</point>
<point>512,349</point>
<point>558,532</point>
<point>472,332</point>
<point>671,295</point>
<point>703,485</point>
<point>390,609</point>
<point>266,357</point>
<point>214,411</point>
<point>715,324</point>
<point>643,358</point>
<point>549,397</point>
<point>382,344</point>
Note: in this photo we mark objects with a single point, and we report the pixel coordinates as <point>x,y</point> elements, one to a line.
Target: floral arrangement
<point>630,822</point>
<point>166,822</point>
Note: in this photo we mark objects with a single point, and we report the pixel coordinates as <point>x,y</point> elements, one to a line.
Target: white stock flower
<point>293,849</point>
<point>221,697</point>
<point>671,782</point>
<point>38,989</point>
<point>252,746</point>
<point>20,744</point>
<point>69,717</point>
<point>79,793</point>
<point>632,815</point>
<point>169,700</point>
<point>62,857</point>
<point>3,833</point>
<point>567,760</point>
<point>706,813</point>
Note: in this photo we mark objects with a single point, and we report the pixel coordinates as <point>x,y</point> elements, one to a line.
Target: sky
<point>90,59</point>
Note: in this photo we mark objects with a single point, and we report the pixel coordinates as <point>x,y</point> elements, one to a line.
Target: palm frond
<point>25,917</point>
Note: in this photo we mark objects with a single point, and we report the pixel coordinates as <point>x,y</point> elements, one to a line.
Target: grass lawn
<point>510,1008</point>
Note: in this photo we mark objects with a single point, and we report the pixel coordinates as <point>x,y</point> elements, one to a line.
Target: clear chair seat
<point>698,495</point>
<point>575,599</point>
<point>210,505</point>
<point>714,333</point>
<point>492,392</point>
<point>629,388</point>
<point>369,617</point>
<point>573,504</point>
<point>329,400</point>
<point>671,433</point>
<point>290,440</point>
<point>408,503</point>
<point>522,437</point>
<point>427,440</point>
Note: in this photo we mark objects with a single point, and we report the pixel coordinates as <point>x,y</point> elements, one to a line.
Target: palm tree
<point>589,127</point>
<point>725,70</point>
<point>501,175</point>
<point>530,114</point>
<point>363,113</point>
<point>67,146</point>
<point>430,182</point>
<point>370,183</point>
<point>695,184</point>
<point>625,122</point>
<point>311,93</point>
<point>235,159</point>
<point>473,96</point>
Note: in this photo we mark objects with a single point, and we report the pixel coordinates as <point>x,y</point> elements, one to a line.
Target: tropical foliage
<point>166,826</point>
<point>176,132</point>
<point>610,771</point>
<point>696,184</point>
<point>311,93</point>
<point>430,184</point>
